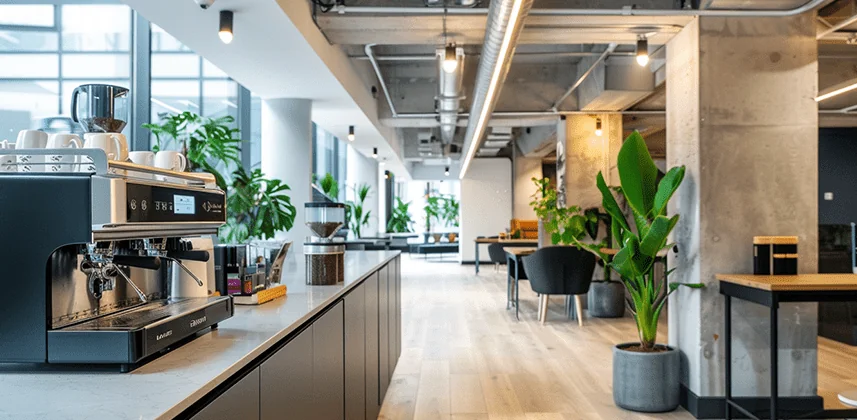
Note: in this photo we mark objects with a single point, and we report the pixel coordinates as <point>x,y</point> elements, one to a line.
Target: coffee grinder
<point>325,259</point>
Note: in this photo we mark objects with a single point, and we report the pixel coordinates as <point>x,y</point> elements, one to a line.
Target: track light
<point>375,153</point>
<point>450,59</point>
<point>642,50</point>
<point>386,174</point>
<point>446,171</point>
<point>350,133</point>
<point>598,130</point>
<point>225,26</point>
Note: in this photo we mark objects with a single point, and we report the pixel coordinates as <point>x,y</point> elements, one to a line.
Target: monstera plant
<point>257,207</point>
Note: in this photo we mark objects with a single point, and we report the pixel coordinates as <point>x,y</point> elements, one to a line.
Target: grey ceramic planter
<point>645,382</point>
<point>607,299</point>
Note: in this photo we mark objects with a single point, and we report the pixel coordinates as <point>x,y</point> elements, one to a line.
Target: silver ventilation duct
<point>501,38</point>
<point>449,98</point>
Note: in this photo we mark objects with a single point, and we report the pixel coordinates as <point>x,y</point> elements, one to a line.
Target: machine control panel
<point>156,204</point>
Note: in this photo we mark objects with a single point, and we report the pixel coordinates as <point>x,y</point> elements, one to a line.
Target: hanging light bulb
<point>375,153</point>
<point>450,59</point>
<point>446,171</point>
<point>225,26</point>
<point>386,174</point>
<point>350,133</point>
<point>642,50</point>
<point>598,130</point>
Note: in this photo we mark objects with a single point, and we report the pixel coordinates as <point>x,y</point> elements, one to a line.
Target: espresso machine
<point>325,258</point>
<point>96,263</point>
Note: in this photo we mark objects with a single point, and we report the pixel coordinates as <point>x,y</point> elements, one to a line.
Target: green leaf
<point>657,235</point>
<point>638,173</point>
<point>610,204</point>
<point>667,187</point>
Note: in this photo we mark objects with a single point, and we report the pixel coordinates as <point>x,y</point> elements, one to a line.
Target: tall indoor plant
<point>257,207</point>
<point>359,215</point>
<point>645,374</point>
<point>606,297</point>
<point>400,219</point>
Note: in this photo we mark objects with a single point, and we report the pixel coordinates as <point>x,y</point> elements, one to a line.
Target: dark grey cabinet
<point>373,378</point>
<point>328,367</point>
<point>393,303</point>
<point>241,401</point>
<point>397,272</point>
<point>287,378</point>
<point>355,355</point>
<point>384,330</point>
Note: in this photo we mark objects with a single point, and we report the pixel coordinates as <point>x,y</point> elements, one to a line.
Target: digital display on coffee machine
<point>183,204</point>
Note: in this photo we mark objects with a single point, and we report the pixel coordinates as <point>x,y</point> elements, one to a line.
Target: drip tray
<point>129,336</point>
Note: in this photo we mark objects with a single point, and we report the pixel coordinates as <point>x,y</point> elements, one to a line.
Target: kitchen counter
<point>163,388</point>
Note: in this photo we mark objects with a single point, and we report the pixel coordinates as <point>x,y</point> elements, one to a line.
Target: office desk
<point>513,263</point>
<point>514,242</point>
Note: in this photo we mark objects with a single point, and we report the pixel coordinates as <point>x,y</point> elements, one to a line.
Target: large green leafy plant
<point>400,219</point>
<point>257,208</point>
<point>359,215</point>
<point>565,225</point>
<point>210,144</point>
<point>442,208</point>
<point>639,247</point>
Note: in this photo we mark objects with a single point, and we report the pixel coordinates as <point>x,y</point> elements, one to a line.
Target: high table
<point>770,291</point>
<point>519,242</point>
<point>513,260</point>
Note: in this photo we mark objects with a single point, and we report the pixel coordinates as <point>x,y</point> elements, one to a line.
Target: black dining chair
<point>560,270</point>
<point>497,255</point>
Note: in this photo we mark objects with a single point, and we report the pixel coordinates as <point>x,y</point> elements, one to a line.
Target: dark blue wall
<point>837,173</point>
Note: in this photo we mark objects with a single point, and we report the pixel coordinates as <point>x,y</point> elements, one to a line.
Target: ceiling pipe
<point>625,11</point>
<point>415,57</point>
<point>449,94</point>
<point>599,60</point>
<point>371,56</point>
<point>504,26</point>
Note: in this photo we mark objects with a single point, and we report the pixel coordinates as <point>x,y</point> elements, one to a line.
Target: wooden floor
<point>466,357</point>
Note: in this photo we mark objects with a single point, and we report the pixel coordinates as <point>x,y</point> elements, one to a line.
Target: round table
<point>849,398</point>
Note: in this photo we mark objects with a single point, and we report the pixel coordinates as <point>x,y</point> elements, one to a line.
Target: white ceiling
<point>278,52</point>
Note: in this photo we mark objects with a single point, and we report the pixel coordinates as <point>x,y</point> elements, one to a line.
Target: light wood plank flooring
<point>466,357</point>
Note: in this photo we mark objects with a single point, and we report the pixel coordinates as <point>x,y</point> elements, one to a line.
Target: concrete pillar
<point>587,153</point>
<point>525,169</point>
<point>741,117</point>
<point>287,154</point>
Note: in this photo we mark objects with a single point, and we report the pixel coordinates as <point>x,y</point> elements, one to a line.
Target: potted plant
<point>329,186</point>
<point>257,208</point>
<point>606,297</point>
<point>645,374</point>
<point>359,217</point>
<point>400,219</point>
<point>209,144</point>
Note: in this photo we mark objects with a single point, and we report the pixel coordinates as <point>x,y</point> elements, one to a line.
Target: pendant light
<point>598,128</point>
<point>375,152</point>
<point>446,171</point>
<point>450,59</point>
<point>225,26</point>
<point>350,133</point>
<point>642,50</point>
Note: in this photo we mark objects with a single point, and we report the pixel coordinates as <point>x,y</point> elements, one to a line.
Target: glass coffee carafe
<point>101,108</point>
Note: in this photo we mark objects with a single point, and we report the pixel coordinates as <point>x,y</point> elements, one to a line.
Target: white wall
<point>525,170</point>
<point>486,203</point>
<point>363,170</point>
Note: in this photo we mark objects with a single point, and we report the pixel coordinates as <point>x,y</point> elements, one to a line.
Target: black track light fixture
<point>225,32</point>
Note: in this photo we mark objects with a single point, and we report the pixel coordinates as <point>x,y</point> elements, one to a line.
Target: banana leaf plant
<point>359,219</point>
<point>639,247</point>
<point>257,207</point>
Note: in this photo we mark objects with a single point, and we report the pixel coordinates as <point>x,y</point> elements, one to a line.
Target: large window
<point>48,50</point>
<point>329,155</point>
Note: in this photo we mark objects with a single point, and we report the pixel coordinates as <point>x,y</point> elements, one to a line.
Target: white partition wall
<point>486,203</point>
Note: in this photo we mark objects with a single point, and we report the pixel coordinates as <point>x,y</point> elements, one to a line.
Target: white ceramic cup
<point>168,159</point>
<point>114,145</point>
<point>31,139</point>
<point>144,158</point>
<point>63,163</point>
<point>7,162</point>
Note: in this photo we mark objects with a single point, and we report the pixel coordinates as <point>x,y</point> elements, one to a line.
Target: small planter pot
<point>607,299</point>
<point>646,382</point>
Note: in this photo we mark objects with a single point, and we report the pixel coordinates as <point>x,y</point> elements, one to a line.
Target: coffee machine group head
<point>100,108</point>
<point>325,259</point>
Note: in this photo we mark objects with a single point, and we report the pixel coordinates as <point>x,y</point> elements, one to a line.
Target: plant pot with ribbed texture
<point>646,381</point>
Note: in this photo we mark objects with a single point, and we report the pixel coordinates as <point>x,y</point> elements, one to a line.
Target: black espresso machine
<point>93,261</point>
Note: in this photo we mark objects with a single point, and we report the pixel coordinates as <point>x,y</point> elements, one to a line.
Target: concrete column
<point>587,153</point>
<point>287,154</point>
<point>741,117</point>
<point>525,169</point>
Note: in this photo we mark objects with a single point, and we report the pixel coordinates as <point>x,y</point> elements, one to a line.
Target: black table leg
<point>517,263</point>
<point>774,360</point>
<point>727,314</point>
<point>508,284</point>
<point>477,257</point>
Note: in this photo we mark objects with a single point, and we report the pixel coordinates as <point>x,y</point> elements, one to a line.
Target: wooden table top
<point>520,251</point>
<point>505,241</point>
<point>794,283</point>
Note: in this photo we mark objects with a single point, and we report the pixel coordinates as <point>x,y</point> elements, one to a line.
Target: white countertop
<point>163,388</point>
